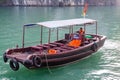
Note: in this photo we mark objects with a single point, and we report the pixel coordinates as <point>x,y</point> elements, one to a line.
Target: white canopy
<point>65,23</point>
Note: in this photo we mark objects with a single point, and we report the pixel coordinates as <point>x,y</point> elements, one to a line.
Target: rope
<point>47,62</point>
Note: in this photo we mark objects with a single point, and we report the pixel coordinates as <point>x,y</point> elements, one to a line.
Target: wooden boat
<point>59,52</point>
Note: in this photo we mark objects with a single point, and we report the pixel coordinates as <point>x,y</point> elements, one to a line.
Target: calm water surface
<point>105,65</point>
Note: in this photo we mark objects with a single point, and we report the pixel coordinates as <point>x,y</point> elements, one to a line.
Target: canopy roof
<point>64,23</point>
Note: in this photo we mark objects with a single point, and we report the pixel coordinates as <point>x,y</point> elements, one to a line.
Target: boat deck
<point>59,46</point>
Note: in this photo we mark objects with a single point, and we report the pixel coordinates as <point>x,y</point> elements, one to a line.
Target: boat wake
<point>112,45</point>
<point>102,74</point>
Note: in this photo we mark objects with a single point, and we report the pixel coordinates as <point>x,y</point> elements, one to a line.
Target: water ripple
<point>112,45</point>
<point>101,72</point>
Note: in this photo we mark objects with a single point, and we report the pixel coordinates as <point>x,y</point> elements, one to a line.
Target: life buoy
<point>14,64</point>
<point>5,58</point>
<point>37,61</point>
<point>94,47</point>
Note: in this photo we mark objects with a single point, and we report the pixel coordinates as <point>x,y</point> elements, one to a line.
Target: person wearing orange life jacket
<point>82,32</point>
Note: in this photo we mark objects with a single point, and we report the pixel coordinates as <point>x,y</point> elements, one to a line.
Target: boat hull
<point>72,56</point>
<point>42,59</point>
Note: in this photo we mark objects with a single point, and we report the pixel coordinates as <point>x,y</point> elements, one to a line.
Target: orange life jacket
<point>75,43</point>
<point>82,32</point>
<point>52,51</point>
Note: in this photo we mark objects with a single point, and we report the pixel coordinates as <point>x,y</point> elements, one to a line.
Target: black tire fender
<point>94,47</point>
<point>28,63</point>
<point>37,61</point>
<point>14,64</point>
<point>5,58</point>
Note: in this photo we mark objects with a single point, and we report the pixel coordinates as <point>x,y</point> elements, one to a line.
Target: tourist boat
<point>58,52</point>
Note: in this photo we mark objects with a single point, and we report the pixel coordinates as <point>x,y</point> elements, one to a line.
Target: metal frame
<point>70,31</point>
<point>57,33</point>
<point>23,39</point>
<point>96,28</point>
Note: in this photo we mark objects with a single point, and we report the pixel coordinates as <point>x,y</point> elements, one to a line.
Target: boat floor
<point>21,56</point>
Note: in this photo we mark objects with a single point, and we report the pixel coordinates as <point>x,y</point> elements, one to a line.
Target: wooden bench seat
<point>67,47</point>
<point>58,44</point>
<point>36,48</point>
<point>51,45</point>
<point>60,49</point>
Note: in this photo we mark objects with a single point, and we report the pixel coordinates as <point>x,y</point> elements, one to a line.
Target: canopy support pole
<point>84,34</point>
<point>57,34</point>
<point>49,35</point>
<point>69,30</point>
<point>23,41</point>
<point>96,27</point>
<point>41,34</point>
<point>84,28</point>
<point>72,29</point>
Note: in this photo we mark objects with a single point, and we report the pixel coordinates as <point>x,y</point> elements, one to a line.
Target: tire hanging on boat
<point>5,58</point>
<point>28,63</point>
<point>14,64</point>
<point>37,61</point>
<point>94,47</point>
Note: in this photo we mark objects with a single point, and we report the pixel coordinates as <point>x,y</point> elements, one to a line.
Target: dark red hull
<point>37,57</point>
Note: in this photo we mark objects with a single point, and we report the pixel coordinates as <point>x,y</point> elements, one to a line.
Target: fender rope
<point>45,52</point>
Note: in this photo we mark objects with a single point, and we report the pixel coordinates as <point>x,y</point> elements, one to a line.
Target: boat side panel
<point>76,55</point>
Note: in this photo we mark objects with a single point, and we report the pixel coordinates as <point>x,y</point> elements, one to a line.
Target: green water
<point>105,65</point>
